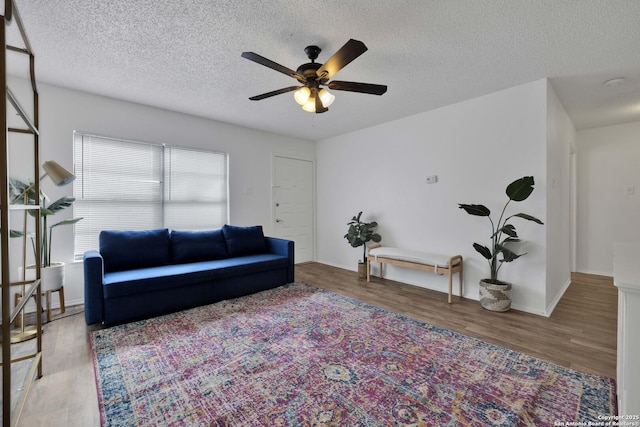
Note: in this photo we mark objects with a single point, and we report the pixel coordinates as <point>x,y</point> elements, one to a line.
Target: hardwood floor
<point>580,334</point>
<point>66,393</point>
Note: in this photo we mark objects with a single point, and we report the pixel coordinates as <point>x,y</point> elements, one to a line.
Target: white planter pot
<point>52,277</point>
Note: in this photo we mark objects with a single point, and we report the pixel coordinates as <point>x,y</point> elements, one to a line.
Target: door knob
<point>278,220</point>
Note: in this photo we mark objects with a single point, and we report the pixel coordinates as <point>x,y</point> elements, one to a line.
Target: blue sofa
<point>145,273</point>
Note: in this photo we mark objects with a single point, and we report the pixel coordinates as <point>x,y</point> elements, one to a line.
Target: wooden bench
<point>438,264</point>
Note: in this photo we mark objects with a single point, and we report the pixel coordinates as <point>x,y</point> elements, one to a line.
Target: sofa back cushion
<point>126,250</point>
<point>244,240</point>
<point>194,246</point>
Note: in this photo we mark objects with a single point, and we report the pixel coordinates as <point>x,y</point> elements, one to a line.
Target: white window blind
<point>125,185</point>
<point>195,189</point>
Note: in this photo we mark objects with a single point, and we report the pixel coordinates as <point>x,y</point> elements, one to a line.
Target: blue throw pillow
<point>244,240</point>
<point>126,250</point>
<point>194,246</point>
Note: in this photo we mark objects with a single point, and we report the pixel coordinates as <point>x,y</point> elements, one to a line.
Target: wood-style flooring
<point>580,334</point>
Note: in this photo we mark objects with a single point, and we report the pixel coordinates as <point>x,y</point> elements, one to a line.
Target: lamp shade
<point>310,105</point>
<point>58,174</point>
<point>302,95</point>
<point>326,97</point>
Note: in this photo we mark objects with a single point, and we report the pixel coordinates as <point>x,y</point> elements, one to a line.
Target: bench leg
<point>450,284</point>
<point>369,269</point>
<point>460,277</point>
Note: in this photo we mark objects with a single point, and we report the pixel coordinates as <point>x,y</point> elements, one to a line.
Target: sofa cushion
<point>244,240</point>
<point>124,250</point>
<point>153,279</point>
<point>194,246</point>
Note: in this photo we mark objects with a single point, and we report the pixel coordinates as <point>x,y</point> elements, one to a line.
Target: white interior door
<point>293,195</point>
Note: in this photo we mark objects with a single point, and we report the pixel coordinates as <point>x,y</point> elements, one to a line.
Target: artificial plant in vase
<point>495,294</point>
<point>358,234</point>
<point>24,193</point>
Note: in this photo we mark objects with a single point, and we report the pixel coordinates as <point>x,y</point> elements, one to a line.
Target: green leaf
<point>66,222</point>
<point>509,230</point>
<point>19,189</point>
<point>508,255</point>
<point>478,210</point>
<point>511,240</point>
<point>15,233</point>
<point>360,232</point>
<point>528,217</point>
<point>520,189</point>
<point>62,203</point>
<point>483,250</point>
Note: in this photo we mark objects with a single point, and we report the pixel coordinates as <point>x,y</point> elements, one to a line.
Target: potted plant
<point>359,234</point>
<point>52,273</point>
<point>495,294</point>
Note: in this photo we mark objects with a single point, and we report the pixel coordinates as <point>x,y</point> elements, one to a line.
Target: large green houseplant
<point>495,294</point>
<point>24,193</point>
<point>358,234</point>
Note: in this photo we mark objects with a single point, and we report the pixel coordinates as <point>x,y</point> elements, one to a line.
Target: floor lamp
<point>59,176</point>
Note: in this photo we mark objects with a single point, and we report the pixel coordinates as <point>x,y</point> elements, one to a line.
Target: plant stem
<point>43,249</point>
<point>497,235</point>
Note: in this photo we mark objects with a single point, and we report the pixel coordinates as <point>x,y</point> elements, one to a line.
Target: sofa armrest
<point>93,295</point>
<point>283,247</point>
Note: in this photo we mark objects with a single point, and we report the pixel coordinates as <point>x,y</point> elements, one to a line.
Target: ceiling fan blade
<point>347,53</point>
<point>274,93</point>
<point>357,87</point>
<point>273,65</point>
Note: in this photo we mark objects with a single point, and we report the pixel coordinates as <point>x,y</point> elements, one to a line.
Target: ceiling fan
<point>313,76</point>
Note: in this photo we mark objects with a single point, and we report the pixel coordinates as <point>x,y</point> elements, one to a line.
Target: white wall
<point>608,166</point>
<point>560,136</point>
<point>476,148</point>
<point>250,154</point>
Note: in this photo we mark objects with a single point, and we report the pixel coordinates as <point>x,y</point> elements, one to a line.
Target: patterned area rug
<point>301,356</point>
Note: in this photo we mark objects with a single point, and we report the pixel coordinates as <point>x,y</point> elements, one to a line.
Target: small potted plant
<point>359,234</point>
<point>495,295</point>
<point>52,273</point>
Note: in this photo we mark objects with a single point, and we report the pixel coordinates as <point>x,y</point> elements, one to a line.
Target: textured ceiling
<point>184,55</point>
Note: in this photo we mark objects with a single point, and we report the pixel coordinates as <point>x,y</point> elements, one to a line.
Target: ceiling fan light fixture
<point>326,97</point>
<point>310,105</point>
<point>312,75</point>
<point>302,95</point>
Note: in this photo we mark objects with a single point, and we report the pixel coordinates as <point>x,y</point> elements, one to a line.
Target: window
<point>126,185</point>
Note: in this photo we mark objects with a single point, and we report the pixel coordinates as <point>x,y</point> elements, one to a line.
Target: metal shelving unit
<point>13,397</point>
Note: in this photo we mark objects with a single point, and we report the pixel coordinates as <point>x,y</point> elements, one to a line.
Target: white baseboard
<point>527,309</point>
<point>401,280</point>
<point>558,297</point>
<point>344,267</point>
<point>55,305</point>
